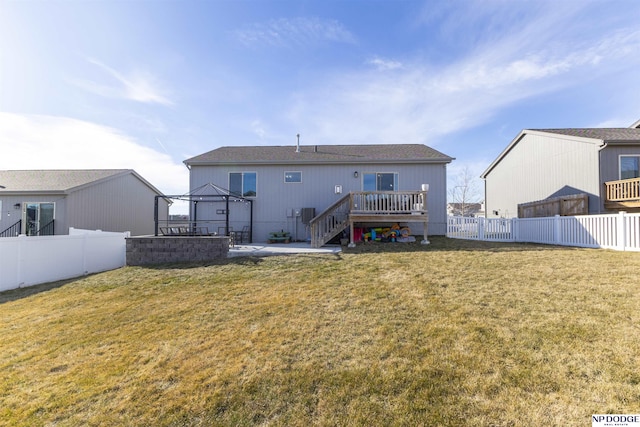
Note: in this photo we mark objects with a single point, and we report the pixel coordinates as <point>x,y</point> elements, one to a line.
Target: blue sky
<point>148,84</point>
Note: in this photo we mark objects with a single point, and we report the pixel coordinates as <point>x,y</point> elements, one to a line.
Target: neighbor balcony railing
<point>623,190</point>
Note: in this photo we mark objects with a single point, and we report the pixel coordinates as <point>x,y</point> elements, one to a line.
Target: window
<point>243,184</point>
<point>293,177</point>
<point>629,167</point>
<point>379,181</point>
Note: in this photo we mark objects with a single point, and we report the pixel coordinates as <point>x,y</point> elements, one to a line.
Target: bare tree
<point>466,194</point>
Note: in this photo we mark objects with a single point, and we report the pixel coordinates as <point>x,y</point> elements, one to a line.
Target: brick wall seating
<point>168,249</point>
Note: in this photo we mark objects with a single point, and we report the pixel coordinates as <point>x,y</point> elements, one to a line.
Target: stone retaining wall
<point>170,249</point>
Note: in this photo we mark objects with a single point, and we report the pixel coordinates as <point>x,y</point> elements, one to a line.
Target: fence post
<point>515,229</point>
<point>622,231</point>
<point>22,240</point>
<point>481,228</point>
<point>557,230</point>
<point>84,254</point>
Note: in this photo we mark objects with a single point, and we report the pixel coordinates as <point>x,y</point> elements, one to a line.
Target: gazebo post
<point>226,198</point>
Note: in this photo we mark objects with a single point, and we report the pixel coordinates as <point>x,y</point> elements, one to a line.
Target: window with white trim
<point>380,181</point>
<point>629,167</point>
<point>293,177</point>
<point>243,184</point>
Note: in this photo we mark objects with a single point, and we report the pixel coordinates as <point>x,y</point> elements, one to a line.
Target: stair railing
<point>47,229</point>
<point>13,230</point>
<point>330,222</point>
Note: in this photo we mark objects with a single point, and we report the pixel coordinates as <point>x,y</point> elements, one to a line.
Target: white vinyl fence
<point>30,260</point>
<point>619,231</point>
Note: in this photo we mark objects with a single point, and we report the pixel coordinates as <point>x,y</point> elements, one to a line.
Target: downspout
<point>485,198</point>
<point>600,183</point>
<point>155,215</point>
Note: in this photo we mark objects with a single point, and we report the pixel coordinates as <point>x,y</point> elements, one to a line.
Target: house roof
<point>600,136</point>
<point>606,135</point>
<point>390,153</point>
<point>57,181</point>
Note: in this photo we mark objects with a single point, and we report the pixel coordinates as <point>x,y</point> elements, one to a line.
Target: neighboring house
<point>46,202</point>
<point>289,185</point>
<point>465,209</point>
<point>603,163</point>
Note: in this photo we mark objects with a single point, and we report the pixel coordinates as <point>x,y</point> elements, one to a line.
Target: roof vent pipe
<point>298,145</point>
<point>315,149</point>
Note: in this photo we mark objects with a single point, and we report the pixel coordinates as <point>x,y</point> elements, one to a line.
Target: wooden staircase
<point>330,222</point>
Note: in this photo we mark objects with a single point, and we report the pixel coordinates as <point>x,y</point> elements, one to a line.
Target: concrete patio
<point>264,249</point>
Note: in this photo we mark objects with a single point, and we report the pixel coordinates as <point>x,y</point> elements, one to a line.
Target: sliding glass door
<point>37,219</point>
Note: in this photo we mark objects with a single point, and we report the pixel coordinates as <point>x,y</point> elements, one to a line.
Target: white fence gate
<point>30,260</point>
<point>619,231</point>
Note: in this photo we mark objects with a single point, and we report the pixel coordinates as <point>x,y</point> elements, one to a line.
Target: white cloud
<point>384,64</point>
<point>48,142</point>
<point>258,128</point>
<point>140,86</point>
<point>420,104</point>
<point>294,32</point>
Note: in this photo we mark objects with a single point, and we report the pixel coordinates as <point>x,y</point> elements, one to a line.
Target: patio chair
<point>243,235</point>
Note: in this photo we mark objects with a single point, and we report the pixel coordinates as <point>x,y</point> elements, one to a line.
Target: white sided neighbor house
<point>319,193</point>
<point>602,164</point>
<point>49,202</point>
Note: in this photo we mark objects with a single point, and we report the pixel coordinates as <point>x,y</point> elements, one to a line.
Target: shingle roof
<point>51,180</point>
<point>604,134</point>
<point>322,154</point>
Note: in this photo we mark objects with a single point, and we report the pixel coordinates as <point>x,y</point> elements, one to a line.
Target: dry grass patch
<point>456,333</point>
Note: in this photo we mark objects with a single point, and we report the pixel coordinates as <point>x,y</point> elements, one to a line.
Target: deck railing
<point>387,202</point>
<point>623,190</point>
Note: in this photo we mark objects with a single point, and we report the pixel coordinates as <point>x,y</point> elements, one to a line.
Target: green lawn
<point>454,333</point>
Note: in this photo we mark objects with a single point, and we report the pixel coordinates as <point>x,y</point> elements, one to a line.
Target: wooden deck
<point>369,207</point>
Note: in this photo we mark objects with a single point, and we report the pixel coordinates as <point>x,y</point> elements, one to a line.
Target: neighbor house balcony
<point>369,207</point>
<point>622,194</point>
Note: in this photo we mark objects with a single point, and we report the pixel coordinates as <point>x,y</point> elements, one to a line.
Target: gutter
<point>319,162</point>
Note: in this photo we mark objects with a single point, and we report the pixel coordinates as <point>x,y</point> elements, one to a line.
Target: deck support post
<point>351,244</point>
<point>425,240</point>
<point>423,196</point>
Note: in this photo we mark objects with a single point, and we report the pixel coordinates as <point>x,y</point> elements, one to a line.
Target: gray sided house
<point>47,202</point>
<point>603,163</point>
<point>289,185</point>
